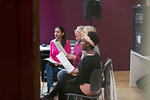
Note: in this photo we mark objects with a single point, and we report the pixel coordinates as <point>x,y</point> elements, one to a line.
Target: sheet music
<point>60,48</point>
<point>51,60</point>
<point>65,62</point>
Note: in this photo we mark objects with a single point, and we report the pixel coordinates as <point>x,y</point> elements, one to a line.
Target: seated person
<point>77,51</point>
<point>53,68</point>
<point>87,29</point>
<point>78,81</point>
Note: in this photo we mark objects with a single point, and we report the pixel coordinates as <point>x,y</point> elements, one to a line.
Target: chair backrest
<point>106,69</point>
<point>96,80</point>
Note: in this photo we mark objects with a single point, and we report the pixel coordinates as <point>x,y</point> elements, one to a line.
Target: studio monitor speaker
<point>92,9</point>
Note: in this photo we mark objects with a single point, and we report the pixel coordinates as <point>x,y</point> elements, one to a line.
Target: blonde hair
<point>89,28</point>
<point>81,27</point>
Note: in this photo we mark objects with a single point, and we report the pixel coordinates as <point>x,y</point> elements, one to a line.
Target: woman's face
<point>58,34</point>
<point>78,34</point>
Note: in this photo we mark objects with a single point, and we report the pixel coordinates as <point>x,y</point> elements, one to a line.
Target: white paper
<point>51,60</point>
<point>60,48</point>
<point>65,62</point>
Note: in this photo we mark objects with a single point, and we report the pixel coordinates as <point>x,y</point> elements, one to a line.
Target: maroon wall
<point>114,28</point>
<point>16,51</point>
<point>68,13</point>
<point>9,49</point>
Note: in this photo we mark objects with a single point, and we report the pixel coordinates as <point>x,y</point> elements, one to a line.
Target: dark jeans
<point>51,71</point>
<point>63,87</point>
<point>60,73</point>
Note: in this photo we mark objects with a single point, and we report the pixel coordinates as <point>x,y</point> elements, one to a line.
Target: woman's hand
<point>74,73</point>
<point>57,64</point>
<point>70,56</point>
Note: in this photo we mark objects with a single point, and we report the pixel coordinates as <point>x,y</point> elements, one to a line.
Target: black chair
<point>95,84</point>
<point>106,83</point>
<point>44,54</point>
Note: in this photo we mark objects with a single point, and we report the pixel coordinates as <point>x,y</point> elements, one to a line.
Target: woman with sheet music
<point>53,68</point>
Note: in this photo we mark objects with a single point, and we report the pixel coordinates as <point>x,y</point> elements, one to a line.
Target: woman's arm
<point>81,74</point>
<point>70,56</point>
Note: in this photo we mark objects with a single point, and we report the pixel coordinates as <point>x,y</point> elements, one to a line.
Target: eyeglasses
<point>76,31</point>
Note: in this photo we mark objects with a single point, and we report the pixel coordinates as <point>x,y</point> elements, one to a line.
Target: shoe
<point>46,97</point>
<point>44,94</point>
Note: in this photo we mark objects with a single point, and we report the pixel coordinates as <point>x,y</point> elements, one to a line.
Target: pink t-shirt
<point>54,51</point>
<point>78,52</point>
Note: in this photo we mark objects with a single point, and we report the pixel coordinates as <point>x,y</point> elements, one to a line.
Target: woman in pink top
<point>53,68</point>
<point>77,51</point>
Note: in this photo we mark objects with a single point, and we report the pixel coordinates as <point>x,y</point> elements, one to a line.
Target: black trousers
<point>63,87</point>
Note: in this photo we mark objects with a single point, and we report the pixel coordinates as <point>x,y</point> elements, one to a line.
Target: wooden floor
<point>124,91</point>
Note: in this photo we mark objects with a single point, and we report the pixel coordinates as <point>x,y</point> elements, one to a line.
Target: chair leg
<point>42,84</point>
<point>76,98</point>
<point>102,96</point>
<point>68,97</point>
<point>42,87</point>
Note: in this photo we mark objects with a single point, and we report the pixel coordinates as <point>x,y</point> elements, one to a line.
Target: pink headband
<point>87,38</point>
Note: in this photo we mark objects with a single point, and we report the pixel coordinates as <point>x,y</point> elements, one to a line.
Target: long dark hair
<point>64,37</point>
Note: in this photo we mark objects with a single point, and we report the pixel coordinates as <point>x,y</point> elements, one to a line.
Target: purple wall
<point>68,13</point>
<point>114,28</point>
